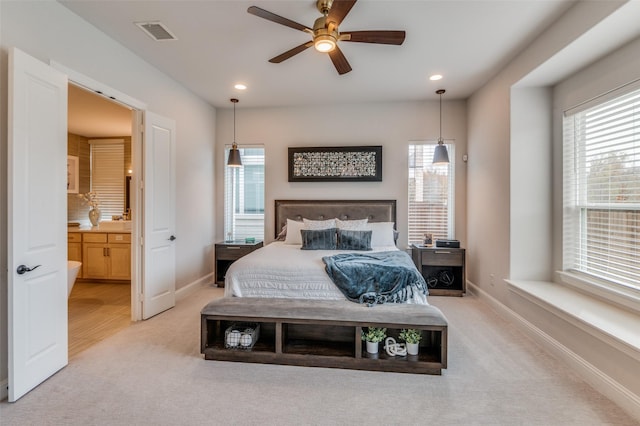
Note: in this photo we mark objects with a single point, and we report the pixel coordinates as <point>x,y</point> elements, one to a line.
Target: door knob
<point>22,269</point>
<point>171,238</point>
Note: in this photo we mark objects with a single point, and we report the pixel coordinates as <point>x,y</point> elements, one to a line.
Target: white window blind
<point>107,175</point>
<point>244,196</point>
<point>601,175</point>
<point>431,194</point>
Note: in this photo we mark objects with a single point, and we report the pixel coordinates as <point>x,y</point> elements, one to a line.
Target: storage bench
<point>323,333</point>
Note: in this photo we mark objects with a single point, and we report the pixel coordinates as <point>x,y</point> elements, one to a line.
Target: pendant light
<point>234,159</point>
<point>440,155</point>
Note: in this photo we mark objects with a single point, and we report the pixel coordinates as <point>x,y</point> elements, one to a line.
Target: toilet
<point>73,268</point>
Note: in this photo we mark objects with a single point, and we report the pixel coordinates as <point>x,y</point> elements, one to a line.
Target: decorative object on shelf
<point>234,159</point>
<point>428,240</point>
<point>91,199</point>
<point>241,336</point>
<point>373,336</point>
<point>412,338</point>
<point>440,155</point>
<point>392,348</point>
<point>73,167</point>
<point>336,164</point>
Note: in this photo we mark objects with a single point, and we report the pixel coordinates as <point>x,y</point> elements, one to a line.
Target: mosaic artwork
<point>361,163</point>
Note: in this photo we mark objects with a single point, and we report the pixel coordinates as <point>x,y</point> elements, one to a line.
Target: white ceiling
<point>220,44</point>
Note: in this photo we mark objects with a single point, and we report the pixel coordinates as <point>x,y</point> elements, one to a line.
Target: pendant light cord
<point>440,92</point>
<point>235,145</point>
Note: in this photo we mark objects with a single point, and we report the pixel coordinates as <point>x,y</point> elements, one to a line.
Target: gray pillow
<point>318,239</point>
<point>354,240</point>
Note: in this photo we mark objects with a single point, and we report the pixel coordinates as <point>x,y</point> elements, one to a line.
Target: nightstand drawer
<point>438,257</point>
<point>231,252</point>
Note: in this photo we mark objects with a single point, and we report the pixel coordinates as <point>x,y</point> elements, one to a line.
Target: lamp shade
<point>234,159</point>
<point>440,155</point>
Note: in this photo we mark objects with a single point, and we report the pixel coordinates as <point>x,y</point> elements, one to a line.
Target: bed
<point>282,270</point>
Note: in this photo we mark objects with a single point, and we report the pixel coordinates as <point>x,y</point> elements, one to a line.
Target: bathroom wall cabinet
<point>106,256</point>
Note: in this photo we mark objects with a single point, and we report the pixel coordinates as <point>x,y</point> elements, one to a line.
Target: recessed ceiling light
<point>241,86</point>
<point>435,77</point>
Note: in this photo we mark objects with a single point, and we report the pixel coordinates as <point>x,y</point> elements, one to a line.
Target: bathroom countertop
<point>106,227</point>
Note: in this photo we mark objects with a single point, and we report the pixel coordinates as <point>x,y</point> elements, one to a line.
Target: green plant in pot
<point>412,337</point>
<point>373,336</point>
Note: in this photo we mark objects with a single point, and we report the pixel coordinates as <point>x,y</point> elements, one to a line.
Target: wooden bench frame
<point>324,333</point>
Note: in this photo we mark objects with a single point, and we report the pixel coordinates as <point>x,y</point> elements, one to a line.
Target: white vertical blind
<point>107,175</point>
<point>244,195</point>
<point>601,175</point>
<point>431,194</point>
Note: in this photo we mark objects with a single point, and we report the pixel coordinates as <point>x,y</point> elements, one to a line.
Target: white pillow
<point>381,234</point>
<point>318,225</point>
<point>293,232</point>
<point>352,225</point>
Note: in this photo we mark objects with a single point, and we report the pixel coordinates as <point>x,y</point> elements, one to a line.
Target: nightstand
<point>442,268</point>
<point>228,252</point>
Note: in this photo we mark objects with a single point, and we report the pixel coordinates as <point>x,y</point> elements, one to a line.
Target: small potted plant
<point>412,337</point>
<point>373,336</point>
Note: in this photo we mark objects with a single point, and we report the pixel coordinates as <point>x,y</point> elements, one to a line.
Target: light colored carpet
<point>152,373</point>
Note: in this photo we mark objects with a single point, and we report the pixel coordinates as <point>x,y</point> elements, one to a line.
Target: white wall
<point>515,188</point>
<point>49,31</point>
<point>392,125</point>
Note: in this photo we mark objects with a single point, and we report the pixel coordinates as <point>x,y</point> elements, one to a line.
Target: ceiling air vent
<point>156,30</point>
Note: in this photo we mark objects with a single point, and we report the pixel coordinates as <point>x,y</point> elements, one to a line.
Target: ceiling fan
<point>326,35</point>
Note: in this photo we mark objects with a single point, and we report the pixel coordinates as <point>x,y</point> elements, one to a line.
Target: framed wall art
<point>73,165</point>
<point>335,164</point>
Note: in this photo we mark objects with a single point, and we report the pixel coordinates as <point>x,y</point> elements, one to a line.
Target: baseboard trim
<point>192,287</point>
<point>604,384</point>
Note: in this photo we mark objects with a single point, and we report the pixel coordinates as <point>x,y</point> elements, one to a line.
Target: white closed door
<point>37,218</point>
<point>159,253</point>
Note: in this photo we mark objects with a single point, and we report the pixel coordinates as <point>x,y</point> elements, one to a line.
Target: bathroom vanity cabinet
<point>104,255</point>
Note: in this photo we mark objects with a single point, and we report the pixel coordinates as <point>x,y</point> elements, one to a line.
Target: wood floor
<point>97,310</point>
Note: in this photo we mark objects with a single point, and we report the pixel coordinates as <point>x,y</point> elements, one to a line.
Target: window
<point>244,196</point>
<point>108,175</point>
<point>431,194</point>
<point>601,175</point>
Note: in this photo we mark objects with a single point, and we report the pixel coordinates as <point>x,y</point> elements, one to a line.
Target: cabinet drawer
<point>120,238</point>
<point>93,237</point>
<point>232,252</point>
<point>442,257</point>
<point>74,237</point>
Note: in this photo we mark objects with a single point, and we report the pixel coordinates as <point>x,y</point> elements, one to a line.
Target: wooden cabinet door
<point>120,261</point>
<point>95,261</point>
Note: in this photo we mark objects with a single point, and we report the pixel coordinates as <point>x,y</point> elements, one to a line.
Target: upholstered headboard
<point>374,210</point>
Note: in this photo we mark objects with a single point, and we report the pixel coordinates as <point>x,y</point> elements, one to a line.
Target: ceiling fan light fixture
<point>324,43</point>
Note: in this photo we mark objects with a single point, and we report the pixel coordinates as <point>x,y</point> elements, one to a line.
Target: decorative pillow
<point>352,225</point>
<point>354,240</point>
<point>293,232</point>
<point>382,234</point>
<point>318,239</point>
<point>319,224</point>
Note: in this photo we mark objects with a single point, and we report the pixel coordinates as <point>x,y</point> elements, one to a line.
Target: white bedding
<point>284,271</point>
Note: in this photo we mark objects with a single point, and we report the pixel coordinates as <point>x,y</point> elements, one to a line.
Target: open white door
<point>159,258</point>
<point>37,217</point>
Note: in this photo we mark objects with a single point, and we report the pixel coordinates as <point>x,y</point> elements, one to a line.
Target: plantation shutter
<point>431,194</point>
<point>107,175</point>
<point>601,175</point>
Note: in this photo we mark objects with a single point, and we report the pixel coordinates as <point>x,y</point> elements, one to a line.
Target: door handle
<point>171,238</point>
<point>22,269</point>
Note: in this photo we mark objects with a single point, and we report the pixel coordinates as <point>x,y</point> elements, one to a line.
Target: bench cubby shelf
<point>323,333</point>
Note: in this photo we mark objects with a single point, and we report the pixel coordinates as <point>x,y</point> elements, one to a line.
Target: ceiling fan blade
<point>289,53</point>
<point>254,10</point>
<point>339,10</point>
<point>379,37</point>
<point>339,61</point>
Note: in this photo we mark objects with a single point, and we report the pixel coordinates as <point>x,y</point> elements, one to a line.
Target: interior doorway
<point>100,145</point>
